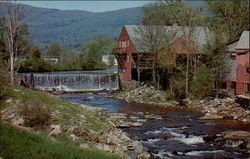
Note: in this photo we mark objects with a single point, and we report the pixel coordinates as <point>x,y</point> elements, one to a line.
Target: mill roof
<point>199,36</point>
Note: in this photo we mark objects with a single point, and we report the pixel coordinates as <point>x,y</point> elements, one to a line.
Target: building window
<point>248,87</point>
<point>248,70</point>
<point>124,44</point>
<point>120,44</point>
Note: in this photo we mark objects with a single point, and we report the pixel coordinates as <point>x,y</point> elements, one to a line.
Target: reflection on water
<point>180,133</point>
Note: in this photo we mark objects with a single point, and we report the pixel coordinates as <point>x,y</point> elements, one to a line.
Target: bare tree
<point>13,24</point>
<point>150,39</point>
<point>188,19</point>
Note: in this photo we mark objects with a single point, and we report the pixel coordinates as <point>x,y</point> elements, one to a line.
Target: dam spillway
<point>71,81</point>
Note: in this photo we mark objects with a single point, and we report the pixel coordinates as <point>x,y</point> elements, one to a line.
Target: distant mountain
<point>74,27</point>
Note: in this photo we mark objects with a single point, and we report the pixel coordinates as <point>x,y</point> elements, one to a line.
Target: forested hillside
<point>76,27</point>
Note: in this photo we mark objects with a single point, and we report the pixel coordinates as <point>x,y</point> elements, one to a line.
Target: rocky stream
<point>172,132</point>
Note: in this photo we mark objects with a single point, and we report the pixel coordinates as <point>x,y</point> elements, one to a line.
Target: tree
<point>91,56</point>
<point>188,18</point>
<point>3,50</point>
<point>216,58</point>
<point>54,50</point>
<point>229,17</point>
<point>202,83</point>
<point>13,25</point>
<point>151,37</point>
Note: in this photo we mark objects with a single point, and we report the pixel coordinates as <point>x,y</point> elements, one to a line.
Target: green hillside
<point>76,27</point>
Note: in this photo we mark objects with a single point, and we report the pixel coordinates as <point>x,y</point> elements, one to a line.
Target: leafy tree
<point>35,63</point>
<point>93,51</point>
<point>54,50</point>
<point>202,84</point>
<point>229,17</point>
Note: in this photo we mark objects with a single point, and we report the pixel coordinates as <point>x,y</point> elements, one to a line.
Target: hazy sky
<point>94,6</point>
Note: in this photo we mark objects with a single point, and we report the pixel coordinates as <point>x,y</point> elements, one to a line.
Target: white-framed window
<point>124,44</point>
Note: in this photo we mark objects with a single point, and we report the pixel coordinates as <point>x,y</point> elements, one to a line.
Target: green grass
<point>16,143</point>
<point>68,113</point>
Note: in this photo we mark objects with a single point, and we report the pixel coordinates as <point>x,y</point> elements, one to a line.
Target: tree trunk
<point>187,74</point>
<point>216,89</point>
<point>12,69</point>
<point>138,74</point>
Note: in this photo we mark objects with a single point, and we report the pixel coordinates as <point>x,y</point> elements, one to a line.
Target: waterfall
<point>71,81</point>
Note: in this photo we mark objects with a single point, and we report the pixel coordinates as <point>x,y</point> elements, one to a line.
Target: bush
<point>33,112</point>
<point>202,82</point>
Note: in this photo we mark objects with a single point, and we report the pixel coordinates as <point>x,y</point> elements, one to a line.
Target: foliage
<point>16,143</point>
<point>54,50</point>
<point>68,113</point>
<point>202,83</point>
<point>34,63</point>
<point>91,55</point>
<point>229,17</point>
<point>33,112</point>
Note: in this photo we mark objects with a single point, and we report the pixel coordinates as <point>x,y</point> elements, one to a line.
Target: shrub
<point>202,82</point>
<point>33,112</point>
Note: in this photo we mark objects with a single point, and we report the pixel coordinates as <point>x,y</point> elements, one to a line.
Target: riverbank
<point>226,108</point>
<point>66,123</point>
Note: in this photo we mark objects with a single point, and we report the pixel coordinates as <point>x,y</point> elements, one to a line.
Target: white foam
<point>199,153</point>
<point>191,140</point>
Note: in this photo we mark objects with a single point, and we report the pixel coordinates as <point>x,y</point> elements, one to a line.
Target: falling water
<point>71,81</point>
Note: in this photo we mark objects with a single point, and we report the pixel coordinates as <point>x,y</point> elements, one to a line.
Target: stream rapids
<point>180,134</point>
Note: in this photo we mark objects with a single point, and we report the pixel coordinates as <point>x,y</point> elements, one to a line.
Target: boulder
<point>84,145</point>
<point>237,135</point>
<point>55,129</point>
<point>113,140</point>
<point>211,116</point>
<point>138,148</point>
<point>74,137</point>
<point>18,122</point>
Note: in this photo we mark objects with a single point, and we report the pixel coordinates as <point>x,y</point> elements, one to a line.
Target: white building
<point>106,59</point>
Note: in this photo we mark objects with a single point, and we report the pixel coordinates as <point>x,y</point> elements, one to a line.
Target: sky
<point>93,6</point>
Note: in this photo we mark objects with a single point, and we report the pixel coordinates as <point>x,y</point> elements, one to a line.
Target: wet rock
<point>209,116</point>
<point>138,148</point>
<point>123,125</point>
<point>55,129</point>
<point>125,137</point>
<point>153,116</point>
<point>210,138</point>
<point>132,154</point>
<point>114,140</point>
<point>136,124</point>
<point>236,135</point>
<point>145,155</point>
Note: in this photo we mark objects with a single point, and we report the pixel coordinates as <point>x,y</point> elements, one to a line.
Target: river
<point>178,135</point>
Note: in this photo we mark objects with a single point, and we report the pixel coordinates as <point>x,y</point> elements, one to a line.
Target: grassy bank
<point>16,143</point>
<point>40,110</point>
